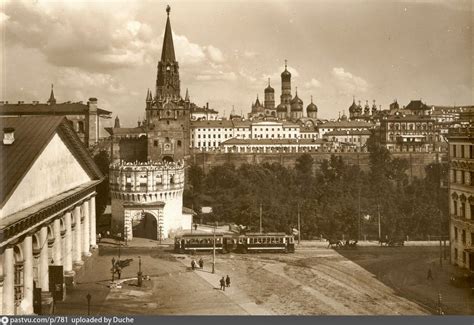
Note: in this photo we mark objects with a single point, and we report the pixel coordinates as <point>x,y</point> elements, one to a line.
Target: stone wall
<point>417,160</point>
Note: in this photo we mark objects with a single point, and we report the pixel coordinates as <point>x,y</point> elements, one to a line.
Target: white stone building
<point>147,199</point>
<point>461,196</point>
<point>47,211</point>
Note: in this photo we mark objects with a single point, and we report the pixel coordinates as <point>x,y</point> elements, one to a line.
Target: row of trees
<point>335,199</point>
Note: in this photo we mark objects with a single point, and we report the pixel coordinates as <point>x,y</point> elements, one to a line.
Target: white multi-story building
<point>461,196</point>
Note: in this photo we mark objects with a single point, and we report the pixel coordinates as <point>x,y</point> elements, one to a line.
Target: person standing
<point>430,275</point>
<point>227,281</point>
<point>193,264</point>
<point>201,263</point>
<point>222,284</point>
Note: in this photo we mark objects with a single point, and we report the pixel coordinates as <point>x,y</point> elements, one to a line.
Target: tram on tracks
<point>225,243</point>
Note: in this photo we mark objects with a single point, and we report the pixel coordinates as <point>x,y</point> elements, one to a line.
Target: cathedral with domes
<point>290,108</point>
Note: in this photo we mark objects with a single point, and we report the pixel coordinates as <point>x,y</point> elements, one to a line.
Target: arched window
<point>179,143</point>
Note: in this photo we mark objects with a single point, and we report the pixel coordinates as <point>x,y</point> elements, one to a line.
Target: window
<point>453,153</point>
<point>464,257</point>
<point>455,233</point>
<point>463,210</point>
<point>462,151</point>
<point>472,238</point>
<point>455,205</point>
<point>471,152</point>
<point>155,143</point>
<point>455,255</point>
<point>199,143</point>
<point>463,237</point>
<point>80,126</point>
<point>179,143</point>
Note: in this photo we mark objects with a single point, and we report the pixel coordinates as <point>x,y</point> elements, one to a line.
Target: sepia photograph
<point>237,158</point>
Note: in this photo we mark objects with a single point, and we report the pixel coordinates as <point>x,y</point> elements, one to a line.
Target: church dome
<point>312,108</point>
<point>353,107</point>
<point>269,89</point>
<point>281,108</point>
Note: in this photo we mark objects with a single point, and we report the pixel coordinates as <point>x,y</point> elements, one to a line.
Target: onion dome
<point>269,89</point>
<point>311,107</point>
<point>281,108</point>
<point>296,103</point>
<point>359,108</point>
<point>286,74</point>
<point>353,107</point>
<point>367,107</point>
<point>344,116</point>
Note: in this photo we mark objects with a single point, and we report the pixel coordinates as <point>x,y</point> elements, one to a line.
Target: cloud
<point>94,40</point>
<point>74,78</point>
<point>347,83</point>
<point>312,84</point>
<point>215,54</point>
<point>250,54</point>
<point>213,75</point>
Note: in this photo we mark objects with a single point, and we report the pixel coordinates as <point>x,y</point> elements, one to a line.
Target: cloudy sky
<point>371,49</point>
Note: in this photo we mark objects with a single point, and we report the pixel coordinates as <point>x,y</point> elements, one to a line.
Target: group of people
<point>225,282</point>
<point>193,264</point>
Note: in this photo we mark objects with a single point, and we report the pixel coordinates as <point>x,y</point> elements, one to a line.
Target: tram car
<point>225,243</point>
<point>265,242</point>
<point>198,242</point>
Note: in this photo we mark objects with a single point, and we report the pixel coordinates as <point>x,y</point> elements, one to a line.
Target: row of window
<point>463,236</point>
<point>410,126</point>
<point>462,177</point>
<point>462,151</point>
<point>462,211</point>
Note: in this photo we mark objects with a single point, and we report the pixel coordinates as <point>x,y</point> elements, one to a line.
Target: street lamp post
<point>139,275</point>
<point>88,297</point>
<point>214,250</point>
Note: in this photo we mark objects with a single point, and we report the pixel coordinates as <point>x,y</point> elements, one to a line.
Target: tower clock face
<point>167,146</point>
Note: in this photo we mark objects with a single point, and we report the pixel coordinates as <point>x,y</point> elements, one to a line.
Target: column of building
<point>27,303</point>
<point>86,229</point>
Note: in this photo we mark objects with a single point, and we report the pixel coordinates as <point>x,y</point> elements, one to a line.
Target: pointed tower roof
<point>186,98</point>
<point>257,102</point>
<point>167,53</point>
<point>51,99</point>
<point>149,97</point>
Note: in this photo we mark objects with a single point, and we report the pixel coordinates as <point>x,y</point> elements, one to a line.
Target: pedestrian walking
<point>201,263</point>
<point>430,275</point>
<point>227,281</point>
<point>222,284</point>
<point>113,262</point>
<point>193,264</point>
<point>119,272</point>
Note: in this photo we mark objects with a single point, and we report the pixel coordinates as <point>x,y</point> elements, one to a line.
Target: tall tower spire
<point>167,52</point>
<point>51,100</point>
<point>167,80</point>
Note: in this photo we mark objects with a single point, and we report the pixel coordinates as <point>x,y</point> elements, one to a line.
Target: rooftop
<point>46,109</point>
<point>32,135</point>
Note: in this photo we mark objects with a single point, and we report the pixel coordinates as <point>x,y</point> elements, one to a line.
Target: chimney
<point>92,103</point>
<point>8,136</point>
<point>139,123</point>
<point>207,105</point>
<point>20,102</point>
<point>35,102</point>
